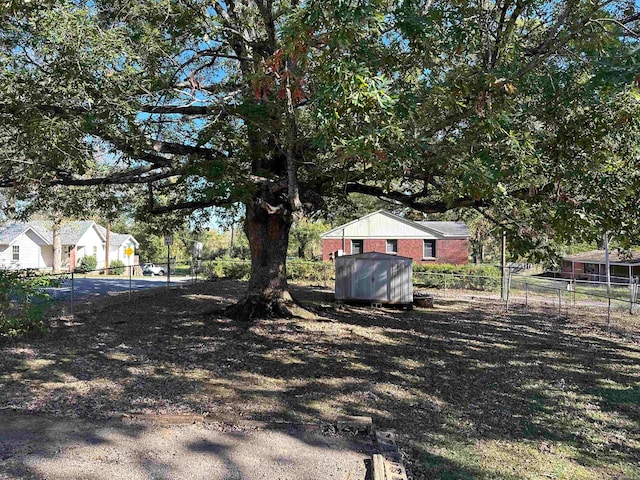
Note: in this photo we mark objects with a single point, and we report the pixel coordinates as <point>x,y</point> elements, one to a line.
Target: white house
<point>30,244</point>
<point>24,246</point>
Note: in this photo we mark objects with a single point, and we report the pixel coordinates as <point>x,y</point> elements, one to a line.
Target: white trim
<point>386,246</point>
<point>434,249</point>
<point>438,235</point>
<point>15,239</point>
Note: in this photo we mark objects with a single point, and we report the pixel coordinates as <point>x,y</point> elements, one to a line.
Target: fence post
<point>168,266</point>
<point>526,296</point>
<point>630,296</point>
<point>559,302</point>
<point>73,286</point>
<point>507,290</point>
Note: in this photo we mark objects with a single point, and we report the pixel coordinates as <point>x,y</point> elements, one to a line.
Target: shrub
<point>231,269</point>
<point>87,264</point>
<point>299,270</point>
<point>465,277</point>
<point>314,272</point>
<point>236,270</point>
<point>117,267</point>
<point>23,301</point>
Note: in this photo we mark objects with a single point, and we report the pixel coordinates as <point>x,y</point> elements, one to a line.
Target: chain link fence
<point>603,303</point>
<point>617,303</point>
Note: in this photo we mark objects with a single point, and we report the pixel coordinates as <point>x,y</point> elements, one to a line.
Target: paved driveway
<point>34,448</point>
<point>87,286</point>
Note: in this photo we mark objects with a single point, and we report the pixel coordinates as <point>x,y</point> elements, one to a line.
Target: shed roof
<point>375,256</point>
<point>598,257</point>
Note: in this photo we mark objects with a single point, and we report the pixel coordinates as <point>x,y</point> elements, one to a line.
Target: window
<point>95,252</point>
<point>15,253</point>
<point>592,268</point>
<point>392,246</point>
<point>429,249</point>
<point>357,246</point>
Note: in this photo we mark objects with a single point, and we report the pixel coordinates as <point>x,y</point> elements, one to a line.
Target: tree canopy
<point>526,110</point>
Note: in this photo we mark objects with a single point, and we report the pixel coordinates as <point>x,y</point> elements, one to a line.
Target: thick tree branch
<point>190,205</point>
<point>412,201</point>
<point>182,149</point>
<point>121,178</point>
<point>183,109</point>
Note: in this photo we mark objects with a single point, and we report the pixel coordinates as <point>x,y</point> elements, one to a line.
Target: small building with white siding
<point>30,244</point>
<point>374,277</point>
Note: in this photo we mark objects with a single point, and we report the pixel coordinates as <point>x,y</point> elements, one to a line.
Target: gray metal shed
<point>374,277</point>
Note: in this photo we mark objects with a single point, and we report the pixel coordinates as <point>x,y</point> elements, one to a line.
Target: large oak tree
<point>524,109</point>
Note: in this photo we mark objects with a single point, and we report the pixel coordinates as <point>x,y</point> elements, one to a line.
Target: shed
<point>374,277</point>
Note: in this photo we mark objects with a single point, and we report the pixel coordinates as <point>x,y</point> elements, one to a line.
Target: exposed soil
<point>464,375</point>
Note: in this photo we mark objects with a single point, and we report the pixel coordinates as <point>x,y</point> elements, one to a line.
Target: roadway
<point>93,286</point>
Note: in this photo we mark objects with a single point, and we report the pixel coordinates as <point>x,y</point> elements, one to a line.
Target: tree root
<point>255,306</point>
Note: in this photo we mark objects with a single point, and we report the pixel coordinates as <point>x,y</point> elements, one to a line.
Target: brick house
<point>592,266</point>
<point>384,232</point>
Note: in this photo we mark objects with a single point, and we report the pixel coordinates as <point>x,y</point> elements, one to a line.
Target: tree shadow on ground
<point>462,374</point>
<point>46,447</point>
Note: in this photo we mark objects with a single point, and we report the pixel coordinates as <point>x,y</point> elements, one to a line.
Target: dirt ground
<point>462,381</point>
<point>37,447</point>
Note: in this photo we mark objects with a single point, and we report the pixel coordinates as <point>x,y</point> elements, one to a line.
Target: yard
<point>473,393</point>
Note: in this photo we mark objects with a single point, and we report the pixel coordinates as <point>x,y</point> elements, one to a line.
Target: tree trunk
<point>268,292</point>
<point>57,245</point>
<point>107,248</point>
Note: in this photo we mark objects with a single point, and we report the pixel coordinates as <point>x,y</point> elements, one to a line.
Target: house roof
<point>11,231</point>
<point>598,257</point>
<point>117,239</point>
<point>382,224</point>
<point>448,229</point>
<point>70,232</point>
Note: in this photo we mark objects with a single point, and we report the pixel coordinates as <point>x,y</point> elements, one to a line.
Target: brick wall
<point>332,245</point>
<point>447,251</point>
<point>452,251</point>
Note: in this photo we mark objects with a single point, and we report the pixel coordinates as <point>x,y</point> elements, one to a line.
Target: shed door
<point>380,281</point>
<point>371,280</point>
<point>362,285</point>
